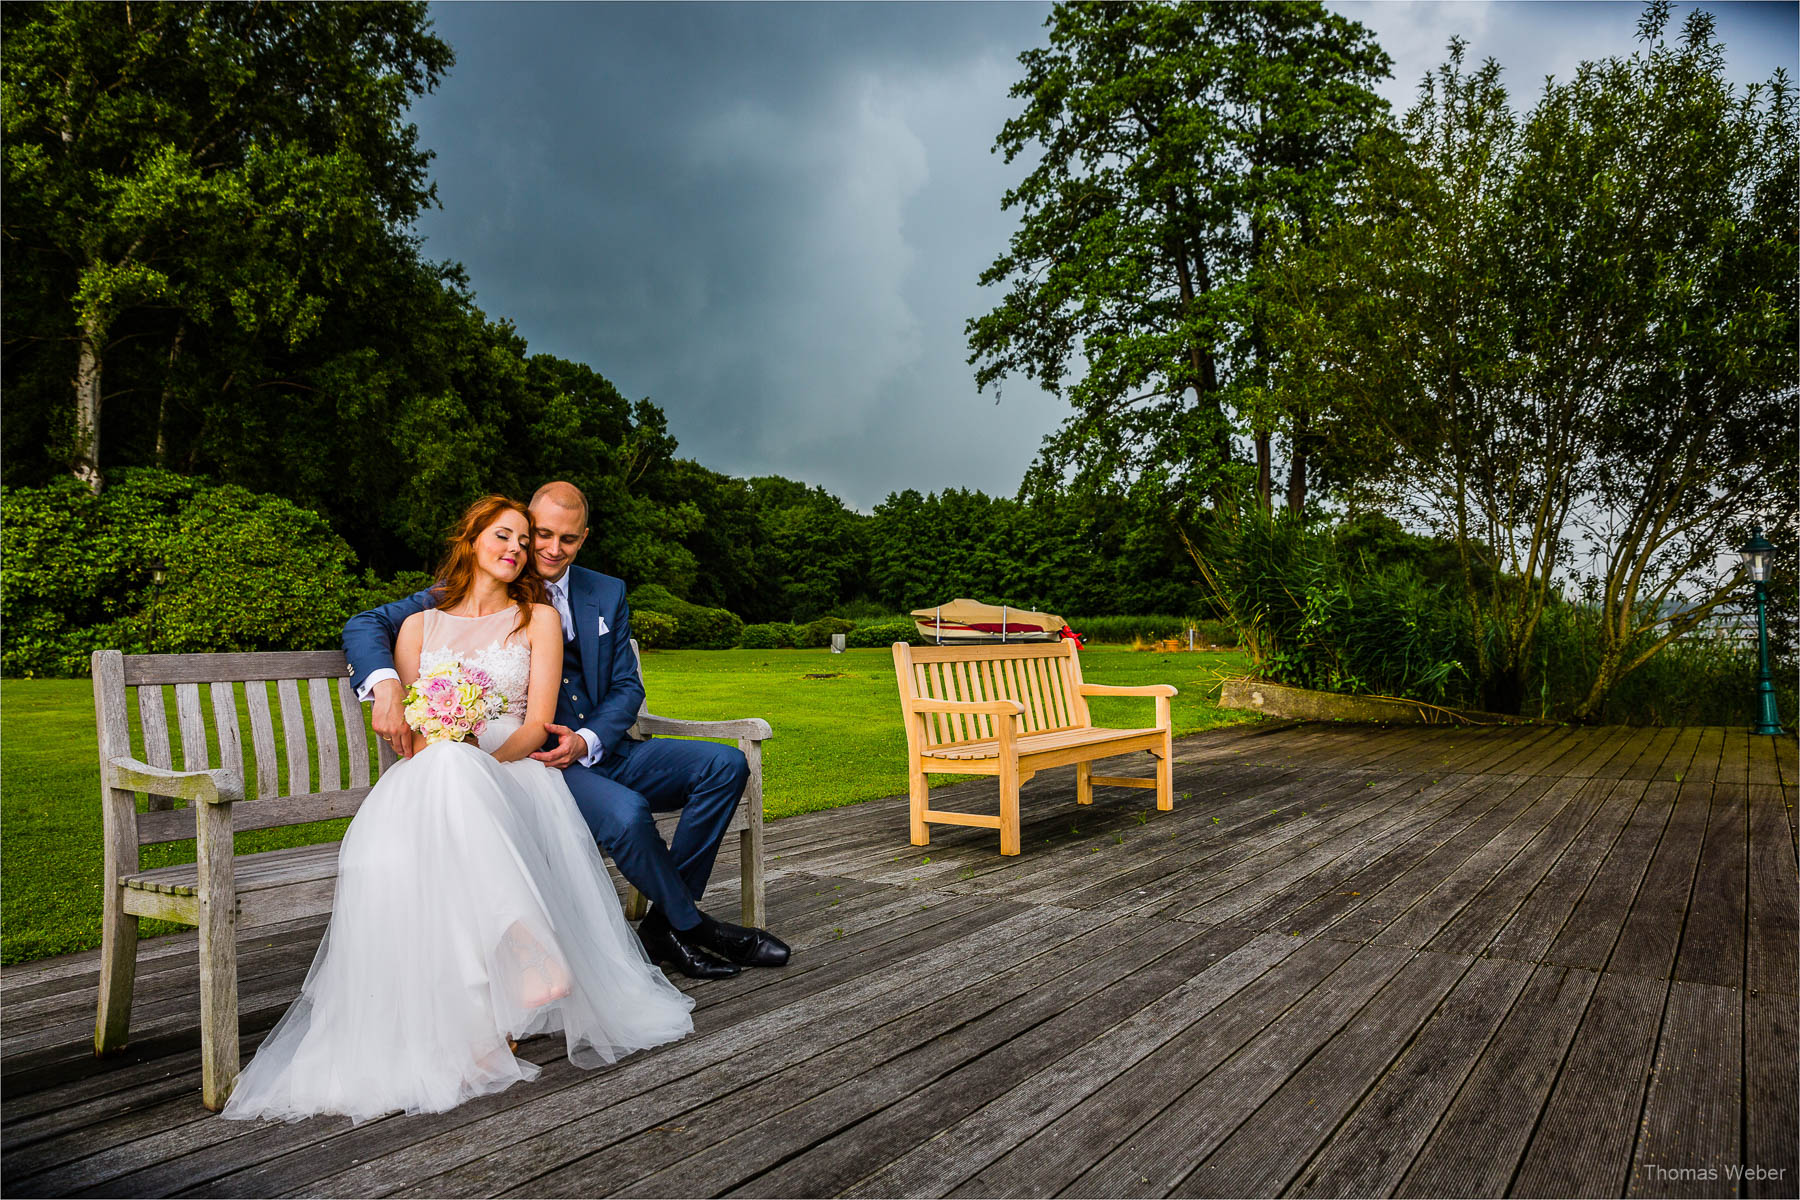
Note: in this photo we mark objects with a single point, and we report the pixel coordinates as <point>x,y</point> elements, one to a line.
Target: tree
<point>1174,140</point>
<point>1577,326</point>
<point>184,171</point>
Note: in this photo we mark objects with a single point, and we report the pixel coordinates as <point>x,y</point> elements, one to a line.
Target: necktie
<point>560,600</point>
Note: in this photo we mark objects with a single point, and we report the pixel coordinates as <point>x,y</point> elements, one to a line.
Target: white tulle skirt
<point>470,894</point>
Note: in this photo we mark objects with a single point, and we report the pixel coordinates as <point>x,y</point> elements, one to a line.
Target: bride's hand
<point>389,717</point>
<point>570,748</point>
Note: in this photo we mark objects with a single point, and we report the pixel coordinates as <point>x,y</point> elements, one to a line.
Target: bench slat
<point>178,825</point>
<point>225,722</point>
<point>293,733</point>
<point>262,739</point>
<point>239,668</point>
<point>318,692</point>
<point>154,719</point>
<point>356,737</point>
<point>192,725</point>
<point>271,868</point>
<point>1034,743</point>
<point>1008,652</point>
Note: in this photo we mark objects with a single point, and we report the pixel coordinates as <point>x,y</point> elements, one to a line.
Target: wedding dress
<point>471,904</point>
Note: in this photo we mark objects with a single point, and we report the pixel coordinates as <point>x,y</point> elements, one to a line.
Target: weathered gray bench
<point>294,784</point>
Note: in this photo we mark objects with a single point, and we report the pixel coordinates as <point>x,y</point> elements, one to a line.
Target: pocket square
<point>604,629</point>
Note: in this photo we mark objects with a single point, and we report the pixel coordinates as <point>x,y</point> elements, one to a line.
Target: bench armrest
<point>998,708</point>
<point>206,787</point>
<point>754,728</point>
<point>1150,689</point>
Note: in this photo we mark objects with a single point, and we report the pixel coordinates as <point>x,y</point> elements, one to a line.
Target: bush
<point>816,635</point>
<point>163,563</point>
<point>775,635</point>
<point>884,634</point>
<point>1126,630</point>
<point>696,628</point>
<point>654,630</point>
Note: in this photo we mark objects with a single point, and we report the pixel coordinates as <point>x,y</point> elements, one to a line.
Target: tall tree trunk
<point>1264,471</point>
<point>87,409</point>
<point>1297,456</point>
<point>162,404</point>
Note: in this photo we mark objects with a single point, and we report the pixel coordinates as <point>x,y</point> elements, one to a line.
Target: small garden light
<point>1755,554</point>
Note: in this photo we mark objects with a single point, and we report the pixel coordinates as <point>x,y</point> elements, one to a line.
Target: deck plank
<point>1692,1116</point>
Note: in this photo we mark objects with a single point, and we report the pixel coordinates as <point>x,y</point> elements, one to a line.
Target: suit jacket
<point>604,697</point>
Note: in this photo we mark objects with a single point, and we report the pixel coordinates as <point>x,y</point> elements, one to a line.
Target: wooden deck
<point>1352,961</point>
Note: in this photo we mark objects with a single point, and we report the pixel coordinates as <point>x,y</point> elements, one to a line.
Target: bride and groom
<point>473,908</point>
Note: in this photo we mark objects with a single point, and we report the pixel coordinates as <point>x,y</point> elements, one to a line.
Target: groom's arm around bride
<point>618,784</point>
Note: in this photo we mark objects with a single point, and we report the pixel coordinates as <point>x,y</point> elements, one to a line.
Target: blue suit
<point>618,796</point>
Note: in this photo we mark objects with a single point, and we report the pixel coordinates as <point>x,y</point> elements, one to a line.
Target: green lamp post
<point>1755,554</point>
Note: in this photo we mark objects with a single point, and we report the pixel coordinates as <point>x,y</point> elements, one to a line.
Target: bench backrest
<point>1042,676</point>
<point>308,744</point>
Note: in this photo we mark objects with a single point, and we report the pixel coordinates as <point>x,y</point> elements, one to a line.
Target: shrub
<point>165,563</point>
<point>884,634</point>
<point>775,635</point>
<point>696,628</point>
<point>1154,627</point>
<point>654,630</point>
<point>816,635</point>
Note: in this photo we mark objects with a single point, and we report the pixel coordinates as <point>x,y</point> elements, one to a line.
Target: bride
<point>472,908</point>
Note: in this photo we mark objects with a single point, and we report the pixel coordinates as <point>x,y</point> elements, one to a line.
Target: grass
<point>50,866</point>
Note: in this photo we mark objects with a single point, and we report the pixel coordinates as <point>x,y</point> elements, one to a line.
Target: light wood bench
<point>295,783</point>
<point>1012,711</point>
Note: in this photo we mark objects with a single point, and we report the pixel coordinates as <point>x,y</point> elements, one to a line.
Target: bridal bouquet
<point>452,703</point>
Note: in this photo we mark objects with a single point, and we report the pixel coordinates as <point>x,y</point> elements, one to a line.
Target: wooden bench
<point>288,782</point>
<point>1012,711</point>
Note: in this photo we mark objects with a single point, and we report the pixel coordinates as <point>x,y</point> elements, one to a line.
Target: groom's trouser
<point>619,796</point>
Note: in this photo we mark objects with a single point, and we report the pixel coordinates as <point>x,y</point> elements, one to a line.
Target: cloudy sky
<point>770,218</point>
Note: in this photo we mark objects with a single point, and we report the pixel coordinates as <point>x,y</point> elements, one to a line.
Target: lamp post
<point>1755,554</point>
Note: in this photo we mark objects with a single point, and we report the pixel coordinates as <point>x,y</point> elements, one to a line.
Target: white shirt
<point>559,600</point>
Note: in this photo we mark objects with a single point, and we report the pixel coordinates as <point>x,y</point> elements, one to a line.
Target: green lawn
<point>49,792</point>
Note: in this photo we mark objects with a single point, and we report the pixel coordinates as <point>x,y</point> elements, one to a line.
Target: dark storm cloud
<point>769,218</point>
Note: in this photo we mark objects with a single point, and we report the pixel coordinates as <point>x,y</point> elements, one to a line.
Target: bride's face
<point>500,549</point>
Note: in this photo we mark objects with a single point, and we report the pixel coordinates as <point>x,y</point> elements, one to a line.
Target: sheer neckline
<point>490,616</point>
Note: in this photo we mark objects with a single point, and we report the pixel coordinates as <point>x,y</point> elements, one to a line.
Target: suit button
<point>581,716</point>
<point>565,679</point>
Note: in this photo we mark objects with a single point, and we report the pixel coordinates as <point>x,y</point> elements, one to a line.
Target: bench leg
<point>917,791</point>
<point>118,974</point>
<point>1165,773</point>
<point>1009,805</point>
<point>636,904</point>
<point>1084,783</point>
<point>218,1003</point>
<point>750,843</point>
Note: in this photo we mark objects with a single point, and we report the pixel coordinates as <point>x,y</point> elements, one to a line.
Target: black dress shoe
<point>738,944</point>
<point>666,945</point>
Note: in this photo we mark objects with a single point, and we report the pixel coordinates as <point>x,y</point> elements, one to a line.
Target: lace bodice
<point>491,644</point>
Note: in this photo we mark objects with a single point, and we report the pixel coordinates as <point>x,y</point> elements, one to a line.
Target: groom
<point>618,783</point>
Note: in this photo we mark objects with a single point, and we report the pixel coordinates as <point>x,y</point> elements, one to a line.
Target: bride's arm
<point>540,701</point>
<point>406,661</point>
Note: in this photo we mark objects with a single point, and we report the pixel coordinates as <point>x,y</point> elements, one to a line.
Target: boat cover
<point>965,620</point>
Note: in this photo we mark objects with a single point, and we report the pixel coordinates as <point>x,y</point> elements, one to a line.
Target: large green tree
<point>1576,329</point>
<point>1173,142</point>
<point>184,178</point>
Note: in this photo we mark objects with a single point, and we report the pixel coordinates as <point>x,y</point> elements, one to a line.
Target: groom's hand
<point>389,717</point>
<point>570,748</point>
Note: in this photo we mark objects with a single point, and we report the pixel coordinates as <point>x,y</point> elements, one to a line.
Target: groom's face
<point>556,536</point>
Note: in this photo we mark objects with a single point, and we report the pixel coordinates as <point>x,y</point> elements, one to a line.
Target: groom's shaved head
<point>563,495</point>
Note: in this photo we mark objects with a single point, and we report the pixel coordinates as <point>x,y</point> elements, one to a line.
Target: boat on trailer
<point>964,622</point>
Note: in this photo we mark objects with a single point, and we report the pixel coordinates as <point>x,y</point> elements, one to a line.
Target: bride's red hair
<point>456,574</point>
